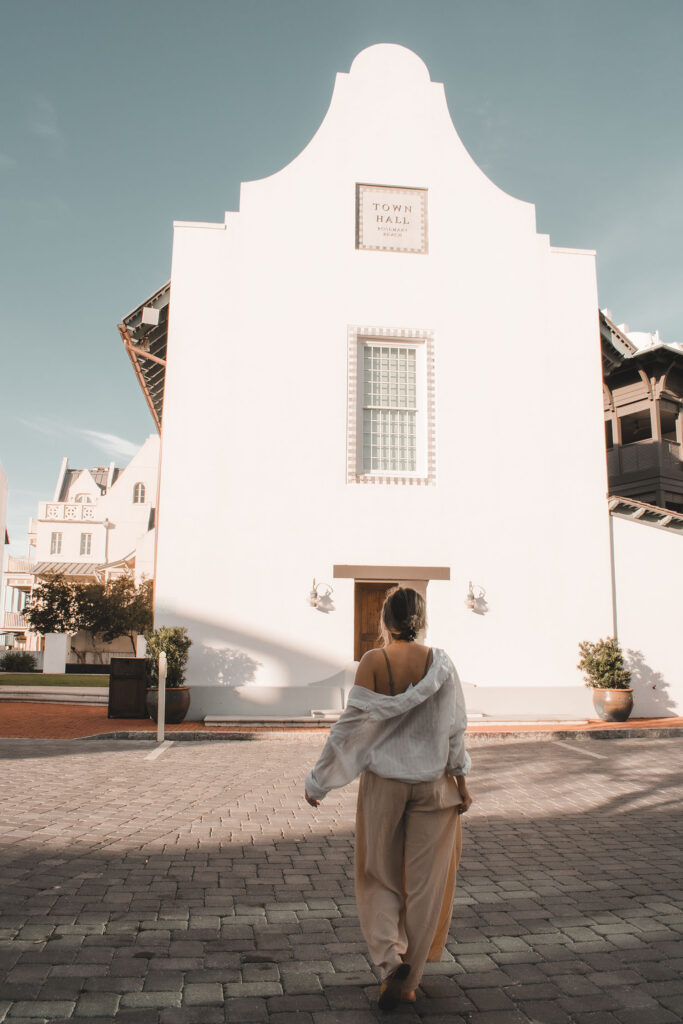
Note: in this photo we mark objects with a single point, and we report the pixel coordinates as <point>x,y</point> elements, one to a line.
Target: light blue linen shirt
<point>414,736</point>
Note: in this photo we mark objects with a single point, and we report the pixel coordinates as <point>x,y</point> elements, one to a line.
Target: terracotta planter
<point>177,703</point>
<point>613,705</point>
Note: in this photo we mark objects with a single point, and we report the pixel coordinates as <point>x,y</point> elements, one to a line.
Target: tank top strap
<point>429,654</point>
<point>391,678</point>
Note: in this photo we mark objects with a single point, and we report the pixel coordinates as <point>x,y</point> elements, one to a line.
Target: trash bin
<point>127,688</point>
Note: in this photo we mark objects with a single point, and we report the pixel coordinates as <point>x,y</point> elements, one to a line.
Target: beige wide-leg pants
<point>408,842</point>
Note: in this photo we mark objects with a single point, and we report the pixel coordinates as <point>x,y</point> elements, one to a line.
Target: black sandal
<point>392,988</point>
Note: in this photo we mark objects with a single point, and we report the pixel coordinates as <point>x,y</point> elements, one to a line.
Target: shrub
<point>17,661</point>
<point>176,643</point>
<point>602,664</point>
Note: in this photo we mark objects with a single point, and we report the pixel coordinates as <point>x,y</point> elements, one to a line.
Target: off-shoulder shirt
<point>414,736</point>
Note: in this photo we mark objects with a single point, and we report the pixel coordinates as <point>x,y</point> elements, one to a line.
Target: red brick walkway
<point>63,722</point>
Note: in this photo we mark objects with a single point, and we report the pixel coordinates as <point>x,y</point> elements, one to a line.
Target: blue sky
<point>119,116</point>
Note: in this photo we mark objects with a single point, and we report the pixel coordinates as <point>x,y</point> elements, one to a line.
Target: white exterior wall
<point>254,499</point>
<point>648,568</point>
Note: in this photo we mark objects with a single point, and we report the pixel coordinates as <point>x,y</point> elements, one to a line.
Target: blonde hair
<point>403,615</point>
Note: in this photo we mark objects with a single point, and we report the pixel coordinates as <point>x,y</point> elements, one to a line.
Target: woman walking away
<point>403,729</point>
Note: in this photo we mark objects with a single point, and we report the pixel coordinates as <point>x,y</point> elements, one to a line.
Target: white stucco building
<point>100,522</point>
<point>357,370</point>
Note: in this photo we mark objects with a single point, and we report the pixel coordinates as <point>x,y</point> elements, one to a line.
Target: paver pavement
<point>196,885</point>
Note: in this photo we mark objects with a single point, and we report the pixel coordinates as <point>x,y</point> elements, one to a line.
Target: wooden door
<point>369,599</point>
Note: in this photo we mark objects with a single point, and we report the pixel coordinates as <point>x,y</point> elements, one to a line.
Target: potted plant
<point>604,669</point>
<point>176,643</point>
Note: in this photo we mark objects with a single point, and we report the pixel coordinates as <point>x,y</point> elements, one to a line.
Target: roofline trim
<point>135,354</point>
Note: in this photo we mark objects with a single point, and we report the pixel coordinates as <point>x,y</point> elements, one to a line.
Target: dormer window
<point>139,494</point>
<point>83,499</point>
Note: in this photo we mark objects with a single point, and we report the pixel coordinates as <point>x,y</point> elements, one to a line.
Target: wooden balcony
<point>648,470</point>
<point>650,457</point>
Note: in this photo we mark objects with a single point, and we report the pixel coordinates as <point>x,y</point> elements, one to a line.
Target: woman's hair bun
<point>403,614</point>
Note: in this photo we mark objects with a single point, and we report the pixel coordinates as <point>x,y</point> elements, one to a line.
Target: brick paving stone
<point>53,1008</point>
<point>545,1011</point>
<point>192,1015</point>
<point>295,1017</point>
<point>281,1004</point>
<point>137,1017</point>
<point>595,1017</point>
<point>244,1010</point>
<point>491,999</point>
<point>498,1017</point>
<point>253,988</point>
<point>145,1000</point>
<point>344,1017</point>
<point>97,1004</point>
<point>301,983</point>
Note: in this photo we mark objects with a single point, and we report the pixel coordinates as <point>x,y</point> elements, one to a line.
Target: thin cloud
<point>112,444</point>
<point>43,120</point>
<point>7,161</point>
<point>40,424</point>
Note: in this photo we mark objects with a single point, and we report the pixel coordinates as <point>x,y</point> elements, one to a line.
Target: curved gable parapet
<point>389,123</point>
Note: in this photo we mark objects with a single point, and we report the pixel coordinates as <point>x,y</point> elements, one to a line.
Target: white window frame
<point>139,488</point>
<point>418,347</point>
<point>56,543</point>
<point>422,341</point>
<point>86,544</point>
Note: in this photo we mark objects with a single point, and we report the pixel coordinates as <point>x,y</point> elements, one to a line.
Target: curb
<point>536,737</point>
<point>582,735</point>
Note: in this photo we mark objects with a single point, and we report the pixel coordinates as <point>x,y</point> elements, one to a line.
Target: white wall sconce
<point>320,597</point>
<point>475,594</point>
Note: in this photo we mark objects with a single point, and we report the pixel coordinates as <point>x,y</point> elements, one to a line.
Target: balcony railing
<point>652,457</point>
<point>63,511</point>
<point>24,565</point>
<point>14,620</point>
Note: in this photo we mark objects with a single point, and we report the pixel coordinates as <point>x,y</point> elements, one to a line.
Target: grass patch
<point>38,679</point>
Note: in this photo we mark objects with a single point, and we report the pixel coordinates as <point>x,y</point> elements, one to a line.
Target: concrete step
<point>56,694</point>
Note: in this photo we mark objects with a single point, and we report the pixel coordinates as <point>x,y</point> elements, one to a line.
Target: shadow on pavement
<point>568,902</point>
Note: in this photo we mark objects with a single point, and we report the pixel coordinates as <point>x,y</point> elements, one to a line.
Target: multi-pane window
<point>56,544</point>
<point>139,494</point>
<point>389,408</point>
<point>86,543</point>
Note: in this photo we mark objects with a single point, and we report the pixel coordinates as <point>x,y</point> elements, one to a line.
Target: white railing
<point>64,511</point>
<point>19,565</point>
<point>14,620</point>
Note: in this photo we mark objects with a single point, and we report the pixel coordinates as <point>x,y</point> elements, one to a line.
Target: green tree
<point>53,607</point>
<point>105,611</point>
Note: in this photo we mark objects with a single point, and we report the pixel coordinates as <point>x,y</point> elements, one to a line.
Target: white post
<point>54,657</point>
<point>161,709</point>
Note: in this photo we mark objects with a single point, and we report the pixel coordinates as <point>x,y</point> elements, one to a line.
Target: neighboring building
<point>643,400</point>
<point>100,523</point>
<point>378,372</point>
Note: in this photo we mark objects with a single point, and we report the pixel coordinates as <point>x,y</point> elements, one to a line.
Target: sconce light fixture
<point>474,594</point>
<point>320,597</point>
